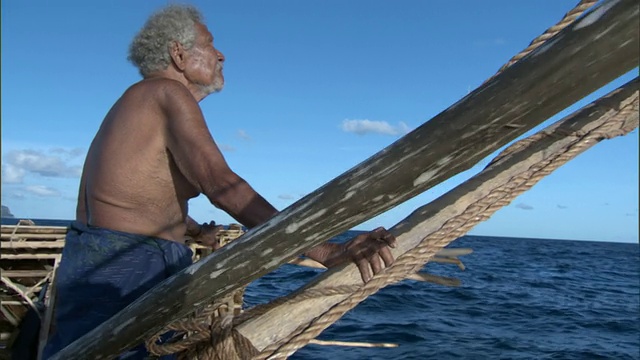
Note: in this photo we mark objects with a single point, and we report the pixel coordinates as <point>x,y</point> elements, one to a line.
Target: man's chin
<point>212,88</point>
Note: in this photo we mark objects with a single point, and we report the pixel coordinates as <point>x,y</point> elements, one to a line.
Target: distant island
<point>6,213</point>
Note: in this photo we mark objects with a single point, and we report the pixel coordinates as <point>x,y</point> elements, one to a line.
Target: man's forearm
<point>328,254</point>
<point>243,203</point>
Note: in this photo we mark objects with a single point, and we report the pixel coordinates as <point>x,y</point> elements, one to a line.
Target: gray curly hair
<point>149,50</point>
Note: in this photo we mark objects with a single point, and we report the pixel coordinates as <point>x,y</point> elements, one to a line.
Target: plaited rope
<point>567,20</point>
<point>620,122</point>
<point>200,331</point>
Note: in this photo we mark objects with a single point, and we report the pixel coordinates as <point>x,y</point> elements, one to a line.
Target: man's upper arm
<point>189,141</point>
<point>81,207</point>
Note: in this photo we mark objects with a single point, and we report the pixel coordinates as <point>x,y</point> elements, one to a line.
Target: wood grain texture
<point>279,322</point>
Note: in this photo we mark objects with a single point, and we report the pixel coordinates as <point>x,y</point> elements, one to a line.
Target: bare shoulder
<point>162,98</point>
<point>161,90</point>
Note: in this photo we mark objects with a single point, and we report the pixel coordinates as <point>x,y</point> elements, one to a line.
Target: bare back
<point>131,180</point>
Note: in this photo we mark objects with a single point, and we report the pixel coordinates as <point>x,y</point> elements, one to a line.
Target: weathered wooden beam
<point>352,343</point>
<point>440,257</point>
<point>29,256</point>
<point>9,315</point>
<point>49,301</point>
<point>31,244</point>
<point>34,229</point>
<point>436,279</point>
<point>24,293</point>
<point>579,60</point>
<point>26,236</point>
<point>25,273</point>
<point>281,321</point>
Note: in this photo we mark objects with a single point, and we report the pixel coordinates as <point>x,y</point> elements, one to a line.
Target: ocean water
<point>519,299</point>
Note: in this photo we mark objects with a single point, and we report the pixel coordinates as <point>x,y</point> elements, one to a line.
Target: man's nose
<point>221,57</point>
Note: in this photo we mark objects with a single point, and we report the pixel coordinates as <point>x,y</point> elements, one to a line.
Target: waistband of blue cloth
<point>80,228</point>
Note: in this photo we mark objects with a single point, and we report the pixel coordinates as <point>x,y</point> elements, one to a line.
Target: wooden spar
<point>454,252</point>
<point>33,229</point>
<point>55,244</point>
<point>446,256</point>
<point>25,273</point>
<point>576,62</point>
<point>29,256</point>
<point>19,236</point>
<point>436,279</point>
<point>280,321</point>
<point>352,343</point>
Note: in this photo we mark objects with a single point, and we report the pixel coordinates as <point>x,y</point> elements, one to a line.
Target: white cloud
<point>524,206</point>
<point>12,174</point>
<point>490,42</point>
<point>72,153</point>
<point>363,127</point>
<point>243,135</point>
<point>403,128</point>
<point>12,194</point>
<point>225,147</point>
<point>21,162</point>
<point>286,197</point>
<point>41,190</point>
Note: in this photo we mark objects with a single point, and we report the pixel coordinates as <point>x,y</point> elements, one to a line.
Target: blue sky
<point>312,89</point>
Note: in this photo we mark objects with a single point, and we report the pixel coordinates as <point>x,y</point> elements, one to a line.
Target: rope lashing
<point>619,122</point>
<point>567,20</point>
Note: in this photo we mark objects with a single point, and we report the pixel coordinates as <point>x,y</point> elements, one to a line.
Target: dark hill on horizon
<point>6,212</point>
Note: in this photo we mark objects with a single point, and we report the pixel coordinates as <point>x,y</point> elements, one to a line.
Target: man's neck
<point>170,73</point>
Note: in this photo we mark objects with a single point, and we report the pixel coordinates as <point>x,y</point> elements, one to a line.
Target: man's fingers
<point>376,263</point>
<point>212,229</point>
<point>390,240</point>
<point>386,256</point>
<point>370,250</point>
<point>381,234</point>
<point>365,270</point>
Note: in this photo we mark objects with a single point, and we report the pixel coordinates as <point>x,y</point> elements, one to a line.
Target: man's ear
<point>177,52</point>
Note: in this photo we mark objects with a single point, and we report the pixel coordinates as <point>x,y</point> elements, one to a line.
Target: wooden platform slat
<point>27,236</point>
<point>56,244</point>
<point>33,229</point>
<point>4,256</point>
<point>25,273</point>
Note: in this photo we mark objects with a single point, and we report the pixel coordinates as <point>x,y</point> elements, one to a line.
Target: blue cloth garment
<point>101,272</point>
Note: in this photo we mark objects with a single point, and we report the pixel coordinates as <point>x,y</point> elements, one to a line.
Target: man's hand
<point>368,251</point>
<point>208,235</point>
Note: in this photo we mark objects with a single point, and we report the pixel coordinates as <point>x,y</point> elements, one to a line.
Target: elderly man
<point>152,154</point>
